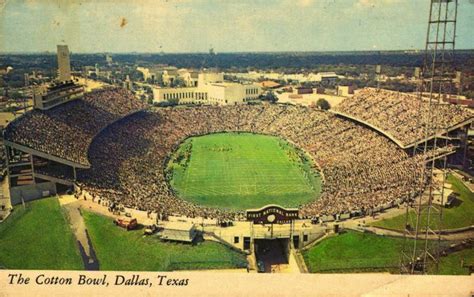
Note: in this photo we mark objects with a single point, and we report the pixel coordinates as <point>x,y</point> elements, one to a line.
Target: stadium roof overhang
<point>390,136</point>
<point>398,142</point>
<point>45,155</point>
<point>457,126</point>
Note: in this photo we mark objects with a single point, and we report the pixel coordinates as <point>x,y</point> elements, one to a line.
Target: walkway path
<point>469,234</point>
<point>72,206</point>
<point>94,206</point>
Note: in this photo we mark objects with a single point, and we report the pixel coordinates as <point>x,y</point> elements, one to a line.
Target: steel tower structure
<point>421,249</point>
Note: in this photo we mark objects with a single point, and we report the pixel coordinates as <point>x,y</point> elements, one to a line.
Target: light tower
<point>421,249</point>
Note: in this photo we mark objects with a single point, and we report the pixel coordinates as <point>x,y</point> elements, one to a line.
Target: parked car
<point>126,222</point>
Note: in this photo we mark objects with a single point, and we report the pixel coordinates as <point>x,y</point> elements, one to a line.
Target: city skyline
<point>227,26</point>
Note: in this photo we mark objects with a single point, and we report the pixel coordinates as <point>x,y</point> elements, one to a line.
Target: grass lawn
<point>241,171</point>
<point>364,252</point>
<point>455,217</point>
<point>118,249</point>
<point>452,264</point>
<point>354,251</point>
<point>38,237</point>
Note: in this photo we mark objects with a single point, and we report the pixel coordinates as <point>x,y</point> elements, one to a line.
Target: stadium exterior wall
<point>285,231</point>
<point>31,192</point>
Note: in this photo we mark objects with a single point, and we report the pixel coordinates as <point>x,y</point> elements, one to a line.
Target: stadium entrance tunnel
<point>271,254</point>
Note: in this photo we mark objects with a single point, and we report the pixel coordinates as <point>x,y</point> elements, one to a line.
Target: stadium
<point>257,184</point>
<point>108,145</point>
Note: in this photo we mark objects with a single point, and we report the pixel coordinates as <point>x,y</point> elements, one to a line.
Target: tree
<point>15,95</point>
<point>178,83</point>
<point>271,97</point>
<point>173,101</point>
<point>323,104</point>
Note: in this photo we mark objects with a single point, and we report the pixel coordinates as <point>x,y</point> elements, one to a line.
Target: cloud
<point>227,25</point>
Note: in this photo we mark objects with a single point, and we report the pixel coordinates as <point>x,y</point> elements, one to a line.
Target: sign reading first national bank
<point>272,214</point>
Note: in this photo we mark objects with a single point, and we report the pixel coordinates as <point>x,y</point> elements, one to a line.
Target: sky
<point>170,26</point>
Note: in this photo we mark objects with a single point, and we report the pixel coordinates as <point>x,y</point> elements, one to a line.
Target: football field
<point>241,171</point>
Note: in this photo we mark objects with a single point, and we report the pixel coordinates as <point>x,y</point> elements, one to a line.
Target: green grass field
<point>241,171</point>
<point>38,237</point>
<point>451,265</point>
<point>454,217</point>
<point>364,252</point>
<point>118,249</point>
<point>354,251</point>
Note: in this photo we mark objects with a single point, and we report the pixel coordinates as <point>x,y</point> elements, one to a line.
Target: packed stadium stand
<point>123,150</point>
<point>45,147</point>
<point>67,130</point>
<point>396,114</point>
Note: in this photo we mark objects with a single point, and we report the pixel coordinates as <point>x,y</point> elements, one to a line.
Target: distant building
<point>269,84</point>
<point>320,90</point>
<point>327,77</point>
<point>27,79</point>
<point>211,89</point>
<point>108,59</point>
<point>169,75</point>
<point>64,63</point>
<point>345,90</point>
<point>306,98</point>
<point>179,95</point>
<point>189,78</point>
<point>128,84</point>
<point>225,93</point>
<point>303,90</point>
<point>208,77</point>
<point>97,70</point>
<point>87,71</point>
<point>145,72</point>
<point>6,70</point>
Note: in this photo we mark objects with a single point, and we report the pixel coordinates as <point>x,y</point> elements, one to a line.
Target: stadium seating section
<point>67,130</point>
<point>396,114</point>
<point>362,170</point>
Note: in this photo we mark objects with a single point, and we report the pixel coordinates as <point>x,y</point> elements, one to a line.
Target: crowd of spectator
<point>128,147</point>
<point>361,169</point>
<point>398,114</point>
<point>67,130</point>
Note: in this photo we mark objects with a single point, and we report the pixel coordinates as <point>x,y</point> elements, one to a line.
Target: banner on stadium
<point>272,214</point>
